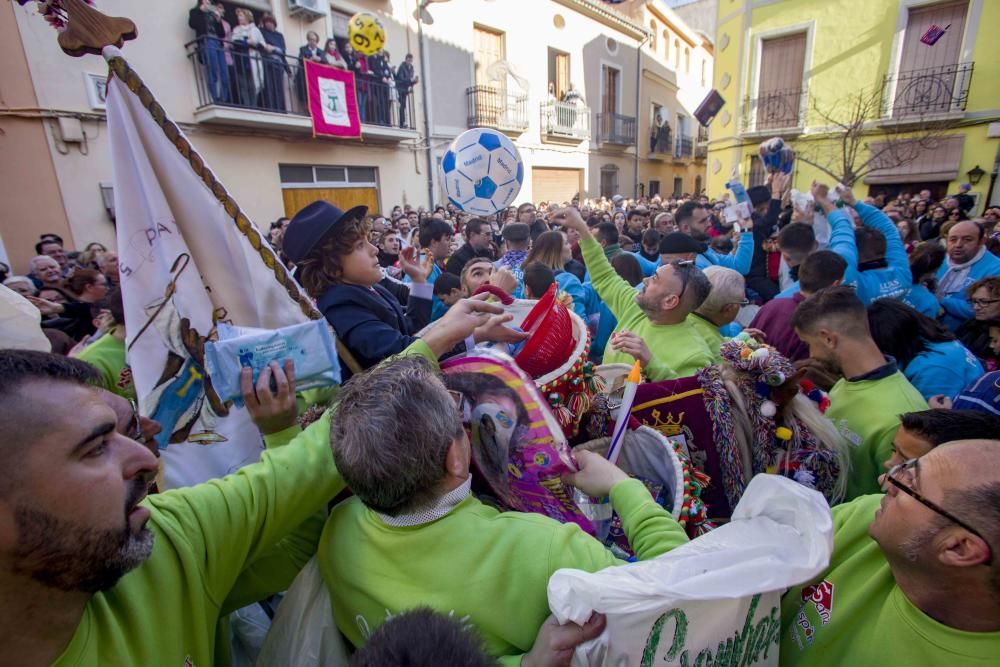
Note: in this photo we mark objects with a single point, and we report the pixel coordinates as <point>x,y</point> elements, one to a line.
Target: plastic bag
<point>716,596</point>
<point>310,345</point>
<point>303,633</point>
<point>247,630</point>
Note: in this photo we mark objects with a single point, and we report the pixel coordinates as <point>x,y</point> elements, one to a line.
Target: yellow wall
<point>851,50</point>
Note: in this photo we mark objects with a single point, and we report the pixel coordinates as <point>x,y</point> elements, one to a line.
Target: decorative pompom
<point>768,409</point>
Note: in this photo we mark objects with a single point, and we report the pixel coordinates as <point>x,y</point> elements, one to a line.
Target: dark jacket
<point>370,322</point>
<point>275,39</point>
<point>462,256</point>
<point>205,23</point>
<point>404,77</point>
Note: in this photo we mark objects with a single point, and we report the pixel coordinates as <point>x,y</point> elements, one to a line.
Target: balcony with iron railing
<point>929,91</point>
<point>268,92</point>
<point>613,128</point>
<point>661,142</point>
<point>565,121</point>
<point>489,106</point>
<point>774,110</point>
<point>684,147</point>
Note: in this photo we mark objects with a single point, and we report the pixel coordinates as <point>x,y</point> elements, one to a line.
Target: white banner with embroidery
<point>184,267</point>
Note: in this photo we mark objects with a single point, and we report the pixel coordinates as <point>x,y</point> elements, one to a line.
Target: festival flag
<point>189,258</point>
<point>333,103</point>
<point>933,34</point>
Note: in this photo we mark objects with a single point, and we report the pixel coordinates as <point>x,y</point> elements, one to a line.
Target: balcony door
<point>779,91</point>
<point>609,89</point>
<point>930,77</point>
<point>558,72</point>
<point>491,94</point>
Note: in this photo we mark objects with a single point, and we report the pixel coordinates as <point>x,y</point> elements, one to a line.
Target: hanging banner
<point>333,101</point>
<point>189,259</point>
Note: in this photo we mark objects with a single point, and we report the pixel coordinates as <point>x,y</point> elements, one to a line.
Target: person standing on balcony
<point>310,51</point>
<point>273,51</point>
<point>227,47</point>
<point>331,55</point>
<point>380,73</point>
<point>247,42</point>
<point>207,27</point>
<point>406,78</point>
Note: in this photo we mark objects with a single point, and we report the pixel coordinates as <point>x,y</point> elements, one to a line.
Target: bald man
<point>968,260</point>
<point>915,575</point>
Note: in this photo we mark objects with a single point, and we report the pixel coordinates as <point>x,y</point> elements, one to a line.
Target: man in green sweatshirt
<point>91,571</point>
<point>414,535</point>
<point>656,316</point>
<point>865,403</point>
<point>914,578</point>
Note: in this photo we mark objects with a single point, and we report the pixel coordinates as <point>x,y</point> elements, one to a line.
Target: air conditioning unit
<point>310,9</point>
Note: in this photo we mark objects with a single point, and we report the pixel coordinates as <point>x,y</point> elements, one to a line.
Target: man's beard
<point>831,366</point>
<point>700,236</point>
<point>69,557</point>
<point>647,305</point>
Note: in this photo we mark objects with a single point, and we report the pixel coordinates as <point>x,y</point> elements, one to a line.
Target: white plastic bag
<point>717,595</point>
<point>303,633</point>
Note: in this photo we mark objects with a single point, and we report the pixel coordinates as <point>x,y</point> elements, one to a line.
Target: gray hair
<point>728,286</point>
<point>14,280</point>
<point>36,260</point>
<point>390,433</point>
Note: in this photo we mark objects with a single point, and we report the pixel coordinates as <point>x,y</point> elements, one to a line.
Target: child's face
<point>452,297</point>
<point>995,340</point>
<point>360,266</point>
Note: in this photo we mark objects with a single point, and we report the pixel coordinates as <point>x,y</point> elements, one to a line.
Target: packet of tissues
<point>309,345</point>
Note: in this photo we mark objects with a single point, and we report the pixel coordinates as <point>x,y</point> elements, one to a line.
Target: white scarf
<point>954,278</point>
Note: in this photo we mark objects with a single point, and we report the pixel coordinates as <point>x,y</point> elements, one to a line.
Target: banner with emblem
<point>189,259</point>
<point>333,102</point>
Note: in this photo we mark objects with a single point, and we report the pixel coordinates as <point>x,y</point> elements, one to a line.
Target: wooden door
<point>296,199</point>
<point>779,90</point>
<point>929,78</point>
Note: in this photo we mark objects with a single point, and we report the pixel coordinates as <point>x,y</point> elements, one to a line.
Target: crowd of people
<point>890,304</point>
<point>248,64</point>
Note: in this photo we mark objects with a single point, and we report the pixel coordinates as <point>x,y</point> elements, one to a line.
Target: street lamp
<point>421,13</point>
<point>975,175</point>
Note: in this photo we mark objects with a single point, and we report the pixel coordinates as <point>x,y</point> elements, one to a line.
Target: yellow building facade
<point>925,71</point>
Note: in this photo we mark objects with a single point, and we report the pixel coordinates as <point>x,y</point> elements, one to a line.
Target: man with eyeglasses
<point>914,577</point>
<point>478,243</point>
<point>721,307</point>
<point>652,323</point>
<point>526,214</point>
<point>865,403</point>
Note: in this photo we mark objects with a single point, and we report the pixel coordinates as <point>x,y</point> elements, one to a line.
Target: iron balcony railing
<point>684,146</point>
<point>566,119</point>
<point>932,90</point>
<point>615,128</point>
<point>702,134</point>
<point>700,151</point>
<point>661,141</point>
<point>233,74</point>
<point>775,110</point>
<point>494,107</point>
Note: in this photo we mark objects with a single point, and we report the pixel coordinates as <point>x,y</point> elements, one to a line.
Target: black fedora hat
<point>311,224</point>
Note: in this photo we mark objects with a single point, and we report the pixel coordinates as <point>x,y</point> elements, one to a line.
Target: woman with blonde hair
<point>247,43</point>
<point>553,250</point>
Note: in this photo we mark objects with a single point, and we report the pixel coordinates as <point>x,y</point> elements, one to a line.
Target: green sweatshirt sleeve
<point>657,369</point>
<point>650,529</point>
<point>612,288</point>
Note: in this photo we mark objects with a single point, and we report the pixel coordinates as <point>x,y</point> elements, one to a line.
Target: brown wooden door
<point>555,185</point>
<point>344,198</point>
<point>779,92</point>
<point>609,99</point>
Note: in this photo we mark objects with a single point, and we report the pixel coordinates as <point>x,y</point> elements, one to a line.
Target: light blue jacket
<point>894,280</point>
<point>841,242</point>
<point>571,285</point>
<point>920,298</point>
<point>956,306</point>
<point>945,368</point>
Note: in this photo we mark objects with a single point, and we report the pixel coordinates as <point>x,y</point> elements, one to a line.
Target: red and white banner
<point>333,101</point>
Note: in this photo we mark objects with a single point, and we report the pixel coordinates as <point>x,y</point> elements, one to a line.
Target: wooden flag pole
<point>88,31</point>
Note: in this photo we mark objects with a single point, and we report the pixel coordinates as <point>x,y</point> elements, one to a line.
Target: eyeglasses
<point>982,303</point>
<point>911,470</point>
<point>683,268</point>
<point>135,425</point>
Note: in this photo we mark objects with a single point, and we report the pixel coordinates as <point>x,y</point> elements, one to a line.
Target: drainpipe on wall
<point>638,138</point>
<point>424,76</point>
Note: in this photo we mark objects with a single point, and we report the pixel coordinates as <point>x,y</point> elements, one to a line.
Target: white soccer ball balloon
<point>482,171</point>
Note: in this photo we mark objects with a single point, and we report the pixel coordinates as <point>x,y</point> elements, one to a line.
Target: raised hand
<point>417,269</point>
<point>459,323</point>
<point>271,411</point>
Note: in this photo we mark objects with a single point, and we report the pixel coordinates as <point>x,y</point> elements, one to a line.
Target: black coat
<point>205,23</point>
<point>370,322</point>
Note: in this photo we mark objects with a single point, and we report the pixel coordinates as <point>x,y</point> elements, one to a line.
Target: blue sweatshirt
<point>571,285</point>
<point>945,368</point>
<point>842,243</point>
<point>920,298</point>
<point>956,306</point>
<point>894,280</point>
